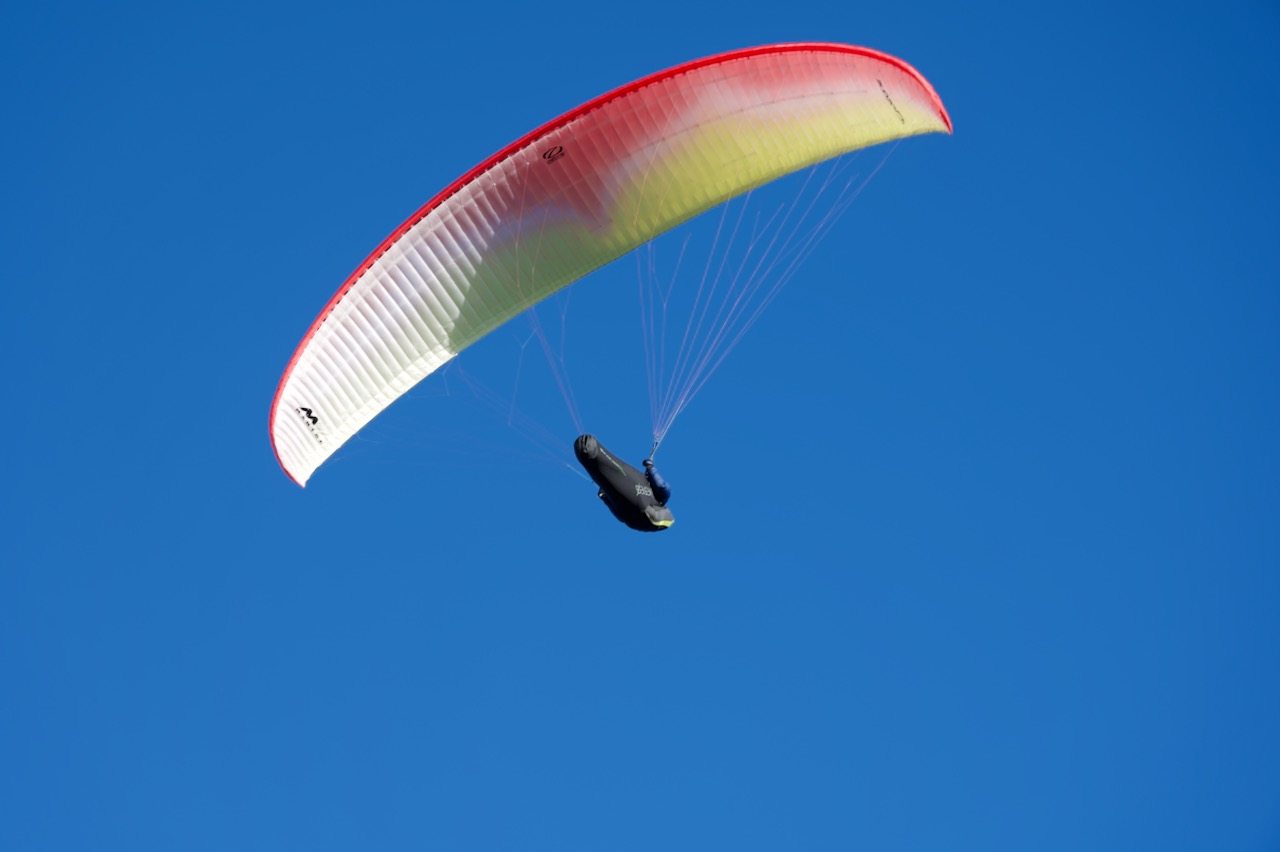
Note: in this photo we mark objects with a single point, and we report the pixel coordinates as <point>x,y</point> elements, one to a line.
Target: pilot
<point>637,499</point>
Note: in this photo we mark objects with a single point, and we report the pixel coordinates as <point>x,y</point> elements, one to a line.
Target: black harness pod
<point>638,499</point>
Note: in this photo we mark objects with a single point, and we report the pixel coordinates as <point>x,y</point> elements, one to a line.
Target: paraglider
<point>637,499</point>
<point>569,197</point>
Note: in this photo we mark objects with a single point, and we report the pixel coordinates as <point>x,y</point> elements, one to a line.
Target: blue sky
<point>977,542</point>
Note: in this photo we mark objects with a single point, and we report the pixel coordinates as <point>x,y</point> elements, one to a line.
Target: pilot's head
<point>659,516</point>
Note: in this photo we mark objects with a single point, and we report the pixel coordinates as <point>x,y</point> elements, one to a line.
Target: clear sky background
<point>977,542</point>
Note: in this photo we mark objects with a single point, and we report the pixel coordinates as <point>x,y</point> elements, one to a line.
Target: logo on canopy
<point>312,423</point>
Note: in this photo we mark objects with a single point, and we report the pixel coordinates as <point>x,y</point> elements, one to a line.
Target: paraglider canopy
<point>570,196</point>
